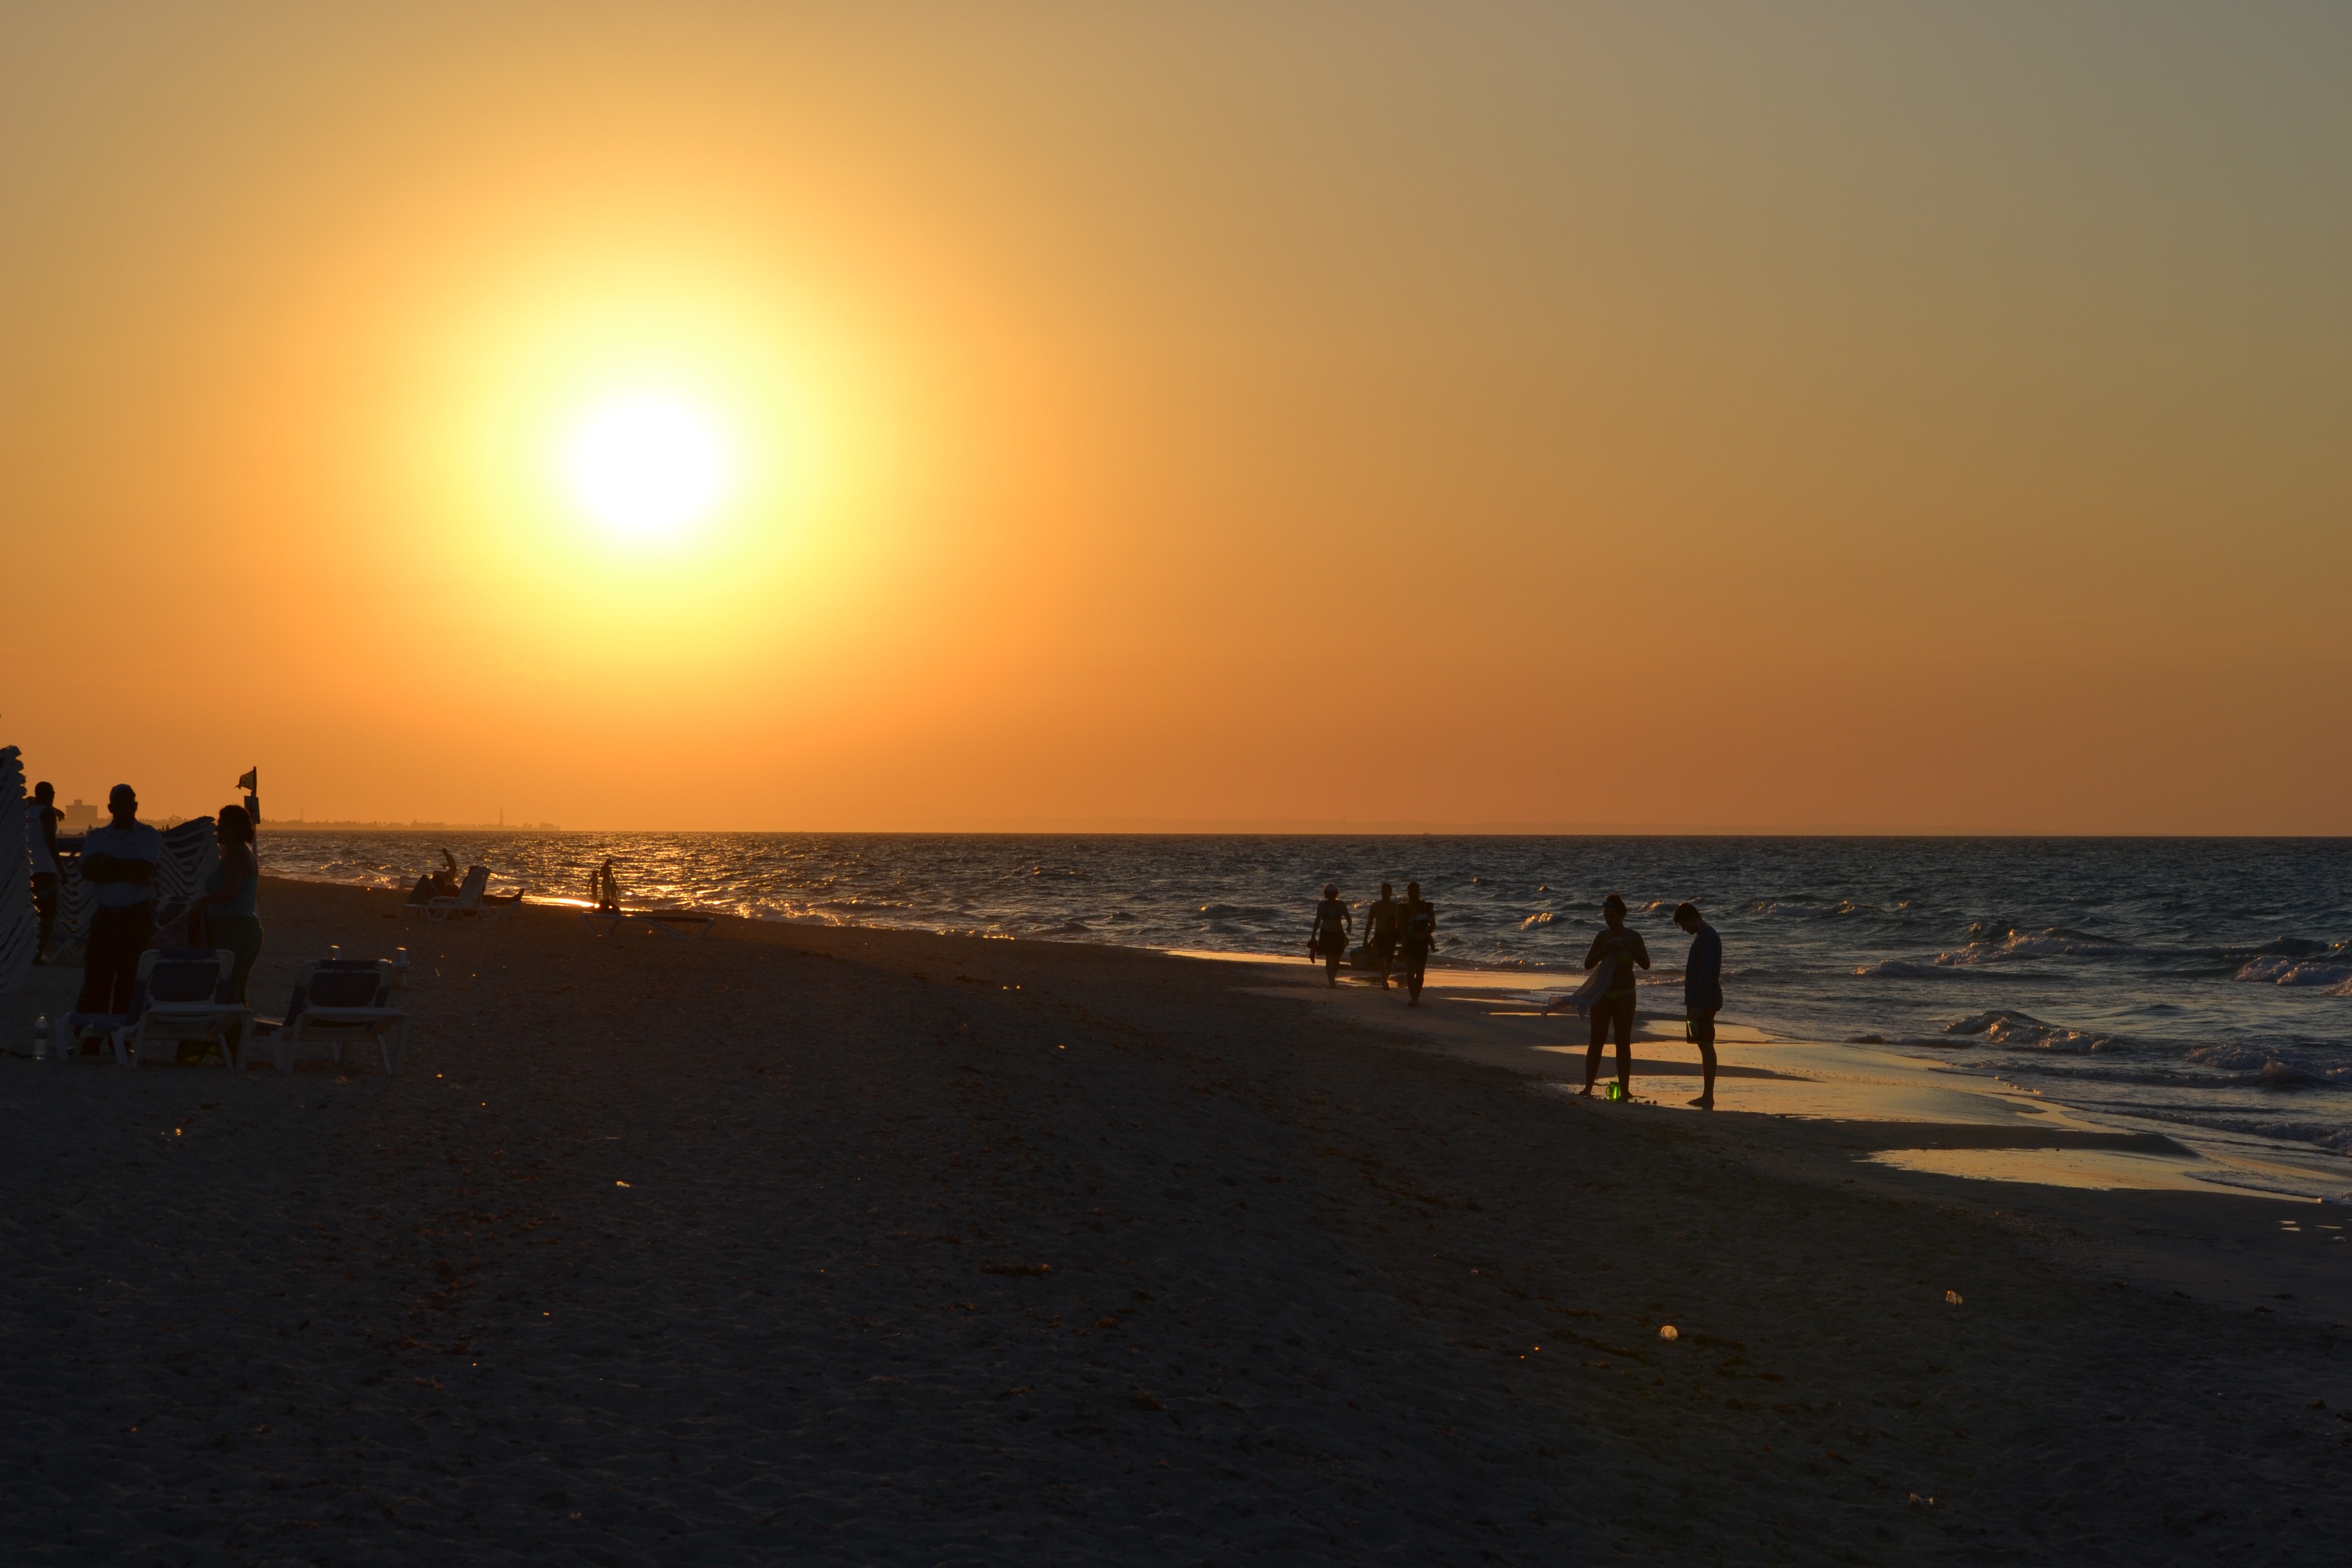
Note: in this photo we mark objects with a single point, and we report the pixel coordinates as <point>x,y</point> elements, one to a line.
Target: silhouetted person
<point>1702,992</point>
<point>1383,919</point>
<point>445,882</point>
<point>229,908</point>
<point>608,889</point>
<point>1615,1009</point>
<point>1417,933</point>
<point>1328,938</point>
<point>43,843</point>
<point>118,861</point>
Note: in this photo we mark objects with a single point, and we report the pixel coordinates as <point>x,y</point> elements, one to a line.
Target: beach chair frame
<point>336,1027</point>
<point>473,900</point>
<point>177,1022</point>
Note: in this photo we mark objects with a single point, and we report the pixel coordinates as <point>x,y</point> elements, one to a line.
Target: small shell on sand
<point>1670,1332</point>
<point>1951,1297</point>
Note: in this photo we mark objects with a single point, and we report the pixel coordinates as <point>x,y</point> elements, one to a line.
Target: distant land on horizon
<point>1248,829</point>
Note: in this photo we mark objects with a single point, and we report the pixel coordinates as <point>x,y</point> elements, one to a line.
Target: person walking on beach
<point>1328,938</point>
<point>1381,918</point>
<point>1702,992</point>
<point>43,843</point>
<point>119,860</point>
<point>1418,934</point>
<point>1615,1009</point>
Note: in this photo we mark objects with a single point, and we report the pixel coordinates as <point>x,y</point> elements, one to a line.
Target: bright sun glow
<point>647,467</point>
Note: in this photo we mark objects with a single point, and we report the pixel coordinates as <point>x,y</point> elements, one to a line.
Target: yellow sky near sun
<point>1508,416</point>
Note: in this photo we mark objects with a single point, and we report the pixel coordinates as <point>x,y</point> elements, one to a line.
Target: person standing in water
<point>1327,939</point>
<point>1419,933</point>
<point>1702,992</point>
<point>1615,1009</point>
<point>1380,921</point>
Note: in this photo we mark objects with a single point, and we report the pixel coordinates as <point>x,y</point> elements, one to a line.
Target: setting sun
<point>646,466</point>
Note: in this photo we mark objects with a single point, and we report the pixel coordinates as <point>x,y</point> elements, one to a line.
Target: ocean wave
<point>2331,977</point>
<point>1539,920</point>
<point>2001,943</point>
<point>1911,969</point>
<point>2280,1064</point>
<point>1241,912</point>
<point>2024,1031</point>
<point>2290,947</point>
<point>1813,909</point>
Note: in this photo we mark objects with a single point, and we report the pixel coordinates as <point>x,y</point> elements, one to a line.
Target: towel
<point>1595,987</point>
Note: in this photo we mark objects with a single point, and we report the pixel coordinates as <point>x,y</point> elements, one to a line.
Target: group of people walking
<point>1394,929</point>
<point>1407,929</point>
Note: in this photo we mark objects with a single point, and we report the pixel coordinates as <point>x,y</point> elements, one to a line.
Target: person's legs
<point>45,904</point>
<point>1331,957</point>
<point>1702,1034</point>
<point>96,964</point>
<point>1384,949</point>
<point>110,967</point>
<point>1622,1011</point>
<point>1416,960</point>
<point>1597,1014</point>
<point>241,934</point>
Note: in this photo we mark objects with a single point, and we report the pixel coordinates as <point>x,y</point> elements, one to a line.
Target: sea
<point>2200,984</point>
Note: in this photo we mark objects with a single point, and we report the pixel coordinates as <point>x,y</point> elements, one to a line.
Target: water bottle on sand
<point>41,1038</point>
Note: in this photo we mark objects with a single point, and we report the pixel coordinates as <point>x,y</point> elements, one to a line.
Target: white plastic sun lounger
<point>175,1005</point>
<point>473,900</point>
<point>343,1002</point>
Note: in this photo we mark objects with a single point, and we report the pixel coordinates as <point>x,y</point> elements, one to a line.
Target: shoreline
<point>2272,1165</point>
<point>882,1246</point>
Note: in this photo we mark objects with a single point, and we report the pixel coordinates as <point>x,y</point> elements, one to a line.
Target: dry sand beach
<point>836,1246</point>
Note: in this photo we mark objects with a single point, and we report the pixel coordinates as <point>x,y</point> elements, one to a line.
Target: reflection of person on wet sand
<point>1380,918</point>
<point>1328,938</point>
<point>1419,935</point>
<point>1702,992</point>
<point>1615,1009</point>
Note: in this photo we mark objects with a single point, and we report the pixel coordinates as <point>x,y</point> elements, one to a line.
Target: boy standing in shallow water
<point>1615,1009</point>
<point>1702,992</point>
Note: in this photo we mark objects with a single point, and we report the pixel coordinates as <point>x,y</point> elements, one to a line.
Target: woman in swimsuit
<point>1615,1010</point>
<point>1328,938</point>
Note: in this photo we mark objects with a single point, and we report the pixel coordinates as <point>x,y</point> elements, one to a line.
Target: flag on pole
<point>251,781</point>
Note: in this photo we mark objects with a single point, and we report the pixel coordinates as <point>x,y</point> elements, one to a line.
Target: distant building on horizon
<point>80,818</point>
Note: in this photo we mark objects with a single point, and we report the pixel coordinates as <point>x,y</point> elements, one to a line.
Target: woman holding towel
<point>1615,1007</point>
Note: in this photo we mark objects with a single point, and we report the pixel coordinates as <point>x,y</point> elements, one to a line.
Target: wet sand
<point>846,1246</point>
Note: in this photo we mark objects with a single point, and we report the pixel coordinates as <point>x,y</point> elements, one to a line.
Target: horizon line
<point>1245,827</point>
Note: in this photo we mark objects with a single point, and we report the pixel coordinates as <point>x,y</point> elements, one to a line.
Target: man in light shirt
<point>118,861</point>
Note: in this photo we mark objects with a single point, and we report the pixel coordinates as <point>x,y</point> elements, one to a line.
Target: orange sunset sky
<point>1518,417</point>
